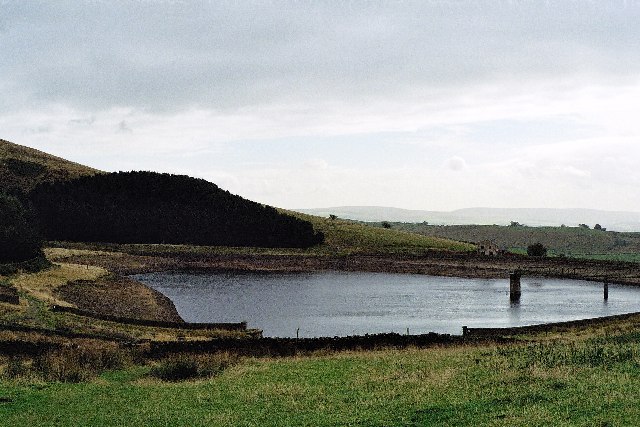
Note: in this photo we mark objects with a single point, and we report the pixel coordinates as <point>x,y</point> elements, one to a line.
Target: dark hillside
<point>22,168</point>
<point>148,207</point>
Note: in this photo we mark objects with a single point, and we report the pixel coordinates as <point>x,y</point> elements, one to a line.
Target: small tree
<point>333,217</point>
<point>585,226</point>
<point>537,250</point>
<point>386,224</point>
<point>515,224</point>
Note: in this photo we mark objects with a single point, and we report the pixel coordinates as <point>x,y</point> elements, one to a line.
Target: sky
<point>433,105</point>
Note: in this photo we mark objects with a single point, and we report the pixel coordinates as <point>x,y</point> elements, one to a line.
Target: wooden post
<point>514,287</point>
<point>606,290</point>
<point>465,331</point>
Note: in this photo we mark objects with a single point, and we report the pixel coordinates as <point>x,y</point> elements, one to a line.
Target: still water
<point>347,303</point>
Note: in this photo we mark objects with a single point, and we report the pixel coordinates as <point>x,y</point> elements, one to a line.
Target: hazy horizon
<point>418,105</point>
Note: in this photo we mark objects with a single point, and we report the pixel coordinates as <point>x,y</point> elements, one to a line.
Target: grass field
<point>589,380</point>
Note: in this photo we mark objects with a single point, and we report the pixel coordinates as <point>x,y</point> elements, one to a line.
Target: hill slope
<point>349,236</point>
<point>22,168</point>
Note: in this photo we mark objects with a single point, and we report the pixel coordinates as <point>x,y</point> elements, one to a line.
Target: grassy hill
<point>350,236</point>
<point>569,241</point>
<point>22,168</point>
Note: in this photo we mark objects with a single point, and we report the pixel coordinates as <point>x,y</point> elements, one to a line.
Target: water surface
<point>348,303</point>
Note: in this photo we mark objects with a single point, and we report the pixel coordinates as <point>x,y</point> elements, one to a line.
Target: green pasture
<point>574,380</point>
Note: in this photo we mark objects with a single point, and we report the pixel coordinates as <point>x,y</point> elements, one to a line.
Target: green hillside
<point>569,241</point>
<point>22,168</point>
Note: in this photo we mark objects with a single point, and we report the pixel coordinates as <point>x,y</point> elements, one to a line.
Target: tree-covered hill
<point>148,207</point>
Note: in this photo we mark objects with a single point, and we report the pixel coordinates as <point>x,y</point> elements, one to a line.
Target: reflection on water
<point>346,303</point>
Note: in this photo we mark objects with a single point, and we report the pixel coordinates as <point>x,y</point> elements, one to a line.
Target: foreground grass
<point>579,381</point>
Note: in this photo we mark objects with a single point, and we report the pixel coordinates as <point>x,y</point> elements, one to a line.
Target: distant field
<point>567,241</point>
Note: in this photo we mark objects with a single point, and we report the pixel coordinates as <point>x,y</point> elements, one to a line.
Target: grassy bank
<point>583,379</point>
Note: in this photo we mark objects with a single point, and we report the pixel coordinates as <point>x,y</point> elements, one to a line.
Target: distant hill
<point>22,168</point>
<point>615,221</point>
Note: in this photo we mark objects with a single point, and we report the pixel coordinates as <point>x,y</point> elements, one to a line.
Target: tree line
<point>19,238</point>
<point>149,207</point>
<point>142,207</point>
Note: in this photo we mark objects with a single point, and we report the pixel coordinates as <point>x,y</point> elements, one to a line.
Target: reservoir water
<point>357,303</point>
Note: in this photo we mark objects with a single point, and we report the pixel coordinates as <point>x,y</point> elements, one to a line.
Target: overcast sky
<point>433,105</point>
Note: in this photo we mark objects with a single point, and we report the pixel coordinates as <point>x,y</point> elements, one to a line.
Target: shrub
<point>15,368</point>
<point>79,362</point>
<point>537,250</point>
<point>180,367</point>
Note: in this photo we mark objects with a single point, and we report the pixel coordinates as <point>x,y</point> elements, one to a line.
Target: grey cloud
<point>123,127</point>
<point>85,121</point>
<point>223,54</point>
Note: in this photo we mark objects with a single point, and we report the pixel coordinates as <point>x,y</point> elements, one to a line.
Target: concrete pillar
<point>514,287</point>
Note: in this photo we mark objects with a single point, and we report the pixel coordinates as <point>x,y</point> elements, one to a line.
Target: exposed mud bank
<point>435,263</point>
<point>120,297</point>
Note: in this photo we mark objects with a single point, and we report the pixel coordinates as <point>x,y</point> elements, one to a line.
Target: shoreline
<point>436,264</point>
<point>466,265</point>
